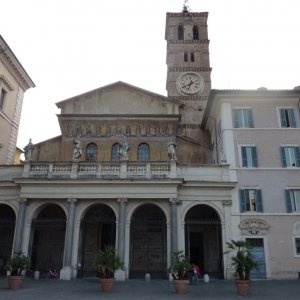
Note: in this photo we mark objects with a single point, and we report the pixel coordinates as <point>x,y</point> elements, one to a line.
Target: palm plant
<point>242,260</point>
<point>18,263</point>
<point>180,267</point>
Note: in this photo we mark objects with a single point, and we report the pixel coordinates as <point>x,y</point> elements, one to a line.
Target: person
<point>171,150</point>
<point>123,150</point>
<point>28,151</point>
<point>78,149</point>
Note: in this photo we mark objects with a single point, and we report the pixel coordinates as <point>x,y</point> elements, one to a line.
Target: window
<point>287,117</point>
<point>185,57</point>
<point>251,200</point>
<point>115,152</point>
<point>91,152</point>
<point>292,200</point>
<point>243,118</point>
<point>3,95</point>
<point>192,57</point>
<point>297,245</point>
<point>195,33</point>
<point>180,32</point>
<point>143,152</point>
<point>249,156</point>
<point>290,156</point>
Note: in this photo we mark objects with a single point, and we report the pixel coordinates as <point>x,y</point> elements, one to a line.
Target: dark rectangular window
<point>185,57</point>
<point>192,57</point>
<point>290,156</point>
<point>3,94</point>
<point>287,118</point>
<point>297,245</point>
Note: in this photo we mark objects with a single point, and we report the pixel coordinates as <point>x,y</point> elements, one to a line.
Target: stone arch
<point>7,230</point>
<point>203,238</point>
<point>148,241</point>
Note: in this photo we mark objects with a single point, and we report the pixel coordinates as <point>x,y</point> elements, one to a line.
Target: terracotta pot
<point>107,284</point>
<point>181,286</point>
<point>242,286</point>
<point>14,282</point>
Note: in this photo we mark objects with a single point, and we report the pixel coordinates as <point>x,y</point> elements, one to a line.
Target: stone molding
<point>188,41</point>
<point>254,227</point>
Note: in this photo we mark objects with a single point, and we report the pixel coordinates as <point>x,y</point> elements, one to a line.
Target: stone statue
<point>28,151</point>
<point>78,149</point>
<point>123,149</point>
<point>171,150</point>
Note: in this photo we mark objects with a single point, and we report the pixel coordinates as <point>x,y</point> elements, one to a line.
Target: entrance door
<point>148,243</point>
<point>258,253</point>
<point>203,240</point>
<point>7,229</point>
<point>48,239</point>
<point>98,229</point>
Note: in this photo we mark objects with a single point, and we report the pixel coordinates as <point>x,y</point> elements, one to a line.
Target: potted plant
<point>243,262</point>
<point>106,263</point>
<point>16,265</point>
<point>179,270</point>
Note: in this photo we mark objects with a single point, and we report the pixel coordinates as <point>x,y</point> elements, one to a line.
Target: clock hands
<point>189,84</point>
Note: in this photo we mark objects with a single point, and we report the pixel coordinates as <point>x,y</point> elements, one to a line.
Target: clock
<point>190,83</point>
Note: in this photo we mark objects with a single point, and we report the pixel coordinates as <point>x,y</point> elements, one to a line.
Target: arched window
<point>192,57</point>
<point>195,33</point>
<point>180,32</point>
<point>91,152</point>
<point>143,152</point>
<point>185,57</point>
<point>115,152</point>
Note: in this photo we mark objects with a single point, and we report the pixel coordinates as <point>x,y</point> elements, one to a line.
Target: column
<point>20,225</point>
<point>66,272</point>
<point>174,232</point>
<point>120,274</point>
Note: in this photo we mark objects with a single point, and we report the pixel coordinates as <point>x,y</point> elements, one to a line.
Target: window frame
<point>115,151</point>
<point>296,253</point>
<point>291,201</point>
<point>7,87</point>
<point>286,120</point>
<point>285,158</point>
<point>246,119</point>
<point>248,159</point>
<point>142,157</point>
<point>195,33</point>
<point>243,198</point>
<point>95,152</point>
<point>180,32</point>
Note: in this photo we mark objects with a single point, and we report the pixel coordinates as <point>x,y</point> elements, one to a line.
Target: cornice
<point>185,98</point>
<point>205,41</point>
<point>193,14</point>
<point>9,57</point>
<point>186,69</point>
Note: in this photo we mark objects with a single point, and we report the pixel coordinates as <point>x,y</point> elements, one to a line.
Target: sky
<point>69,47</point>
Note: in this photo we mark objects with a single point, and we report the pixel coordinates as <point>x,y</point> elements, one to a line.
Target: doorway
<point>258,254</point>
<point>148,242</point>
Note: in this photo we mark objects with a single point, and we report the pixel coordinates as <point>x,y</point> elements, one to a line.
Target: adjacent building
<point>152,174</point>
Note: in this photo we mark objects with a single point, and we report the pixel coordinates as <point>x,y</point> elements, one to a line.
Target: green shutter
<point>254,157</point>
<point>251,123</point>
<point>282,117</point>
<point>259,204</point>
<point>244,157</point>
<point>292,118</point>
<point>288,201</point>
<point>236,118</point>
<point>283,159</point>
<point>297,152</point>
<point>242,201</point>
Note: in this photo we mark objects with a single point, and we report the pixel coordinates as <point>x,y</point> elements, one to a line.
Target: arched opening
<point>98,229</point>
<point>148,242</point>
<point>180,32</point>
<point>143,152</point>
<point>203,240</point>
<point>7,229</point>
<point>91,152</point>
<point>48,239</point>
<point>195,33</point>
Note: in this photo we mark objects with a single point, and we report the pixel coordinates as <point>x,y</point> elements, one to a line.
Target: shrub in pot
<point>16,265</point>
<point>179,271</point>
<point>243,262</point>
<point>106,263</point>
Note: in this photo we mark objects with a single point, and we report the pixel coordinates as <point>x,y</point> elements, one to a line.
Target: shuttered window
<point>243,118</point>
<point>290,156</point>
<point>251,200</point>
<point>287,117</point>
<point>249,157</point>
<point>292,198</point>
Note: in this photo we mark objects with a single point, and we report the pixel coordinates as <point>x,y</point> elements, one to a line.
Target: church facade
<point>151,174</point>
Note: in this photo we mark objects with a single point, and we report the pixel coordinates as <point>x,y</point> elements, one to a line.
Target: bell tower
<point>188,75</point>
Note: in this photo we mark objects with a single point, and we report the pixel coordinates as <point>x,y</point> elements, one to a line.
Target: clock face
<point>190,83</point>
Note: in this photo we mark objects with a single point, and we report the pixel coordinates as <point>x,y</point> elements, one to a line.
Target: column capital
<point>122,200</point>
<point>174,201</point>
<point>72,200</point>
<point>23,200</point>
<point>227,202</point>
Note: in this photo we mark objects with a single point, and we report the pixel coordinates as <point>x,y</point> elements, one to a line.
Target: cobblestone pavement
<point>82,289</point>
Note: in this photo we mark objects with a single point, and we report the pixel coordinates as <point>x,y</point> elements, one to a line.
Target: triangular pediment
<point>119,98</point>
